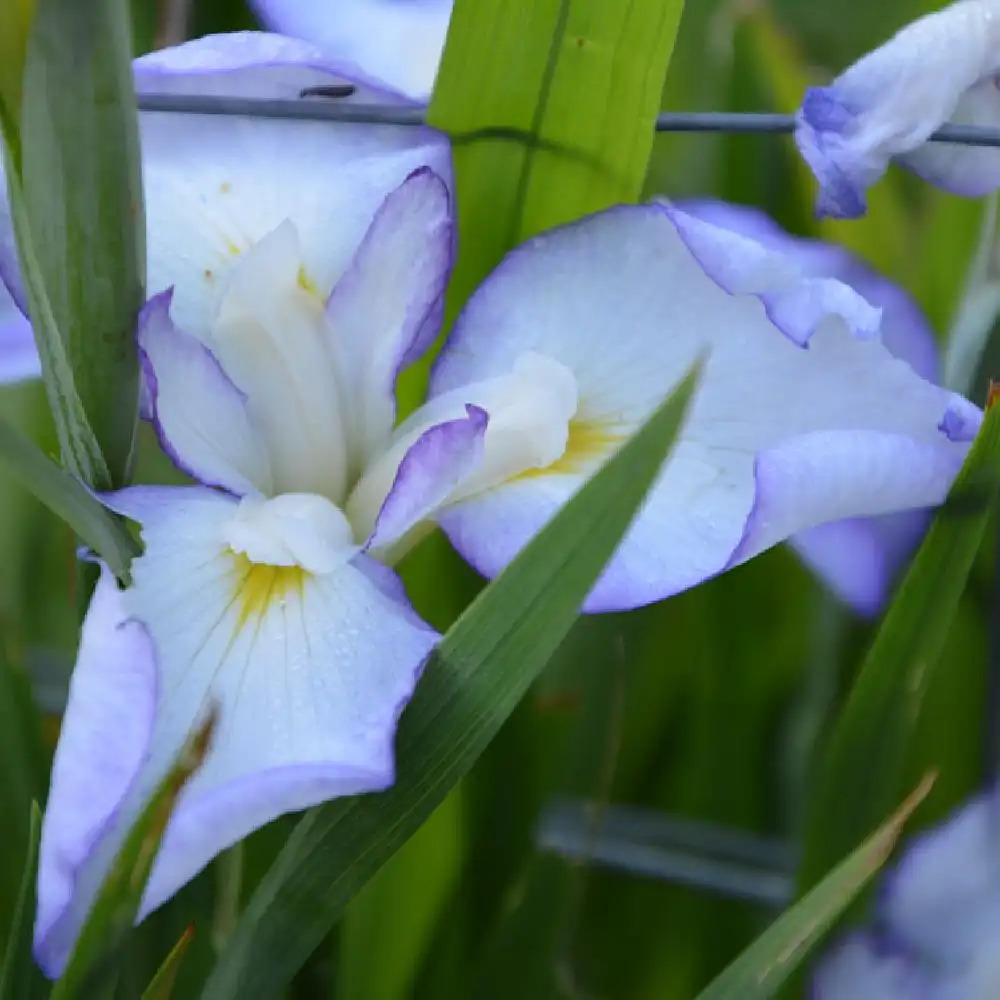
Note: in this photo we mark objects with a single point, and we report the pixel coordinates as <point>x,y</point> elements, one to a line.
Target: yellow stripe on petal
<point>259,585</point>
<point>588,443</point>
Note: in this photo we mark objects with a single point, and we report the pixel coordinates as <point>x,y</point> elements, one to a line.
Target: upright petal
<point>309,662</point>
<point>215,185</point>
<point>104,737</point>
<point>200,417</point>
<point>777,435</point>
<point>860,557</point>
<point>433,468</point>
<point>395,43</point>
<point>387,308</point>
<point>941,68</point>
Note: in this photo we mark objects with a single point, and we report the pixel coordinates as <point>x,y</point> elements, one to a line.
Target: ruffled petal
<point>18,355</point>
<point>215,185</point>
<point>905,329</point>
<point>200,417</point>
<point>858,558</point>
<point>395,44</point>
<point>941,68</point>
<point>764,409</point>
<point>104,737</point>
<point>310,671</point>
<point>386,310</point>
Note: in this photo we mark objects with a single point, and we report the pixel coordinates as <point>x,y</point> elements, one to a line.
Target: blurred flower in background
<point>934,933</point>
<point>940,69</point>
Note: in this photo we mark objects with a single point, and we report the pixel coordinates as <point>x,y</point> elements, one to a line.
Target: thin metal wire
<point>332,110</point>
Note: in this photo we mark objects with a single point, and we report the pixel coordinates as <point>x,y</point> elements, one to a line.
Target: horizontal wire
<point>333,110</point>
<point>650,844</point>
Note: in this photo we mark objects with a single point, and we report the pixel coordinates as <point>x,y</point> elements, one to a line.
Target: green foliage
<point>765,966</point>
<point>19,976</point>
<point>75,190</point>
<point>879,720</point>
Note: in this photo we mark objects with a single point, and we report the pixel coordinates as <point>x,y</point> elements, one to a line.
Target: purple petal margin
<point>820,126</point>
<point>796,304</point>
<point>434,465</point>
<point>105,733</point>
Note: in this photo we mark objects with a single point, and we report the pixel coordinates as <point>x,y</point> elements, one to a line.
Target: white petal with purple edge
<point>199,415</point>
<point>395,42</point>
<point>310,661</point>
<point>858,558</point>
<point>941,68</point>
<point>104,737</point>
<point>438,462</point>
<point>621,302</point>
<point>386,309</point>
<point>215,185</point>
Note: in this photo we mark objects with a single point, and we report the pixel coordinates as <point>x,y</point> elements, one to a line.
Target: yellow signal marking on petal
<point>588,441</point>
<point>259,585</point>
<point>307,284</point>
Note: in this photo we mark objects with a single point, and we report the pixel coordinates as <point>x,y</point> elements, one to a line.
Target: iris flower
<point>934,932</point>
<point>294,274</point>
<point>940,69</point>
<point>396,44</point>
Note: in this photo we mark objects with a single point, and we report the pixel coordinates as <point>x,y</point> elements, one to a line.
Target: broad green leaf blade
<point>90,972</point>
<point>82,197</point>
<point>81,453</point>
<point>766,965</point>
<point>482,669</point>
<point>396,914</point>
<point>582,80</point>
<point>863,768</point>
<point>15,25</point>
<point>69,499</point>
<point>23,779</point>
<point>19,976</point>
<point>162,986</point>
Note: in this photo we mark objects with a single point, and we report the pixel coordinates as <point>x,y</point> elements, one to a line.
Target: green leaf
<point>765,966</point>
<point>396,913</point>
<point>482,669</point>
<point>15,25</point>
<point>81,231</point>
<point>70,500</point>
<point>91,969</point>
<point>19,977</point>
<point>162,986</point>
<point>863,768</point>
<point>580,80</point>
<point>23,780</point>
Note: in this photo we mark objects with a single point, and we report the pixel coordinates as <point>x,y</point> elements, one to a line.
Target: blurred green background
<point>707,706</point>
